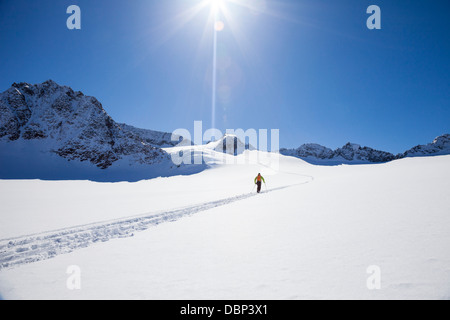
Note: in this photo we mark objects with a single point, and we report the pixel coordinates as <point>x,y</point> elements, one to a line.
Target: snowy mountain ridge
<point>74,126</point>
<point>439,146</point>
<point>349,153</point>
<point>354,153</point>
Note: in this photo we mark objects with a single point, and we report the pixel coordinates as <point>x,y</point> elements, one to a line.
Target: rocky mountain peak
<point>74,126</point>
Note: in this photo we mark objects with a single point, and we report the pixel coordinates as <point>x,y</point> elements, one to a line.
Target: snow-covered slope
<point>313,233</point>
<point>49,131</point>
<point>154,138</point>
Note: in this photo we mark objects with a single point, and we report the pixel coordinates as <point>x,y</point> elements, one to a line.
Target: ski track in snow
<point>42,246</point>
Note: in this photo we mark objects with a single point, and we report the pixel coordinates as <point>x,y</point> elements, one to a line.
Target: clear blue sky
<point>310,68</point>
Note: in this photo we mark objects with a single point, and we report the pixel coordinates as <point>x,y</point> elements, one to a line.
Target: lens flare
<point>219,26</point>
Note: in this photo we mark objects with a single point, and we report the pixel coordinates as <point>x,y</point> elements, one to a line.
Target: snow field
<point>314,236</point>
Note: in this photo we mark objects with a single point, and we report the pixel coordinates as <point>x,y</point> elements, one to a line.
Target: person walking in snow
<point>258,181</point>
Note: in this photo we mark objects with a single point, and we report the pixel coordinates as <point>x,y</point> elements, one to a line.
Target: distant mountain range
<point>355,154</point>
<point>49,131</point>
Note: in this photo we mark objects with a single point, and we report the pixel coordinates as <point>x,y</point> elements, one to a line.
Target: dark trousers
<point>259,186</point>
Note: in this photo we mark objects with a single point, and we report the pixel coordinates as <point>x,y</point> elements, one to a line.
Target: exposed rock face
<point>74,126</point>
<point>440,146</point>
<point>349,153</point>
<point>354,153</point>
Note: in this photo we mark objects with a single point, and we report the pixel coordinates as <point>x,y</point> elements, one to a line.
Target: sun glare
<point>221,17</point>
<point>217,5</point>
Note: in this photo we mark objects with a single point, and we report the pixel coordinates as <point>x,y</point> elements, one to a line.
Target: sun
<point>217,4</point>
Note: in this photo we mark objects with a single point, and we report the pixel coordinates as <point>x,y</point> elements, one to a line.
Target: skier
<point>258,180</point>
